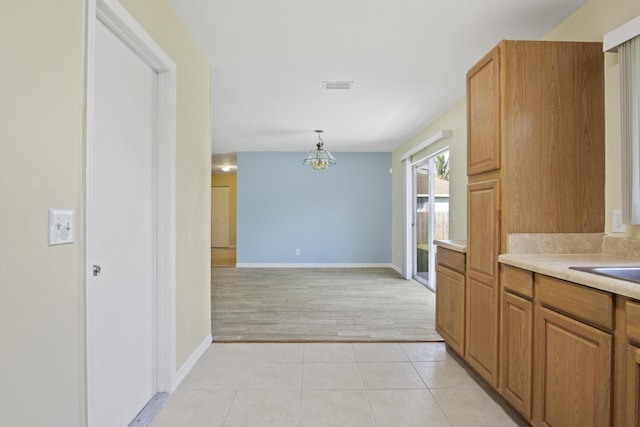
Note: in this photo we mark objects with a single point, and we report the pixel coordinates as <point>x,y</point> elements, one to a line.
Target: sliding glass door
<point>430,214</point>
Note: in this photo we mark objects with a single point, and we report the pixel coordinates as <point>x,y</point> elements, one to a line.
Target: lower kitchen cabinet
<point>516,356</point>
<point>450,294</point>
<point>630,373</point>
<point>573,372</point>
<point>482,329</point>
<point>517,352</point>
<point>450,307</point>
<point>632,397</point>
<point>556,345</point>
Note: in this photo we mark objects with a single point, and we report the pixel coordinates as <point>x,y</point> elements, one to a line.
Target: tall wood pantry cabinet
<point>535,164</point>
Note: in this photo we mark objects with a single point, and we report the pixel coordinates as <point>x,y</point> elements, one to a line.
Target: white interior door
<point>219,217</point>
<point>122,229</point>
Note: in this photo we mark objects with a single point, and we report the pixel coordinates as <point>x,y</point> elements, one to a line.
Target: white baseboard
<point>314,265</point>
<point>396,268</point>
<point>192,360</point>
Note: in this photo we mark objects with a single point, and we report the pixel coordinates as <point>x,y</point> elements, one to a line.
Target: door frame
<point>117,19</point>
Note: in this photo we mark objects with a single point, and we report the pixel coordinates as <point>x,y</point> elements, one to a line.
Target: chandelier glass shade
<point>319,159</point>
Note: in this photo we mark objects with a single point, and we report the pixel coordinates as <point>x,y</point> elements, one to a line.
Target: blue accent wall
<point>339,216</point>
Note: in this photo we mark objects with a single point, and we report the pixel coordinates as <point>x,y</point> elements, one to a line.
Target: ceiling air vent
<point>342,85</point>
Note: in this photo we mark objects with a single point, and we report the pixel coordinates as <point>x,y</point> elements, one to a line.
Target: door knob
<point>96,270</point>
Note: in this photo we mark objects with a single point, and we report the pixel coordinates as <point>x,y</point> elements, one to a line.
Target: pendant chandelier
<point>319,159</point>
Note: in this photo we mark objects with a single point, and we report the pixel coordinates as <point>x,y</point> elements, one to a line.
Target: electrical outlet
<point>618,226</point>
<point>297,252</point>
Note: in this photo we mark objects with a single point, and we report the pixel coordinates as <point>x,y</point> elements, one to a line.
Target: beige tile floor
<point>336,384</point>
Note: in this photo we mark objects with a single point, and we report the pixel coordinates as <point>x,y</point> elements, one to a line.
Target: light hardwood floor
<point>321,305</point>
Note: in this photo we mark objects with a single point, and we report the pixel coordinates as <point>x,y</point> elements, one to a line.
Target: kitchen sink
<point>631,274</point>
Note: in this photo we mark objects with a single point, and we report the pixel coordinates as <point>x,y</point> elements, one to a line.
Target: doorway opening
<point>220,217</point>
<point>223,219</point>
<point>430,214</point>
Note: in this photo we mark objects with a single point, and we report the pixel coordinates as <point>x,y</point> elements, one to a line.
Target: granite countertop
<point>454,245</point>
<point>557,265</point>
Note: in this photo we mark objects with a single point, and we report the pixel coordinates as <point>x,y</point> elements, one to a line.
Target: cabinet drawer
<point>633,320</point>
<point>518,280</point>
<point>589,305</point>
<point>452,259</point>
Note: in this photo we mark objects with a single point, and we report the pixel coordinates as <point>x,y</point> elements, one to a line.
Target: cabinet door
<point>450,307</point>
<point>517,350</point>
<point>633,387</point>
<point>483,238</point>
<point>482,330</point>
<point>573,372</point>
<point>482,294</point>
<point>483,114</point>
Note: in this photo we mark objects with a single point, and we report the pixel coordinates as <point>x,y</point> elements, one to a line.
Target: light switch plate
<point>61,226</point>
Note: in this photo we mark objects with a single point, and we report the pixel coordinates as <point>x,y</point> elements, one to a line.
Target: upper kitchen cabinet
<point>535,123</point>
<point>483,114</point>
<point>535,112</point>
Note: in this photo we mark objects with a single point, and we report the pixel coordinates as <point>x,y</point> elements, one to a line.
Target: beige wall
<point>41,158</point>
<point>589,23</point>
<point>193,196</point>
<point>41,166</point>
<point>228,180</point>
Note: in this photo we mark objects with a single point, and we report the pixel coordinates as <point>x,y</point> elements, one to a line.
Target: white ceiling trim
<point>622,34</point>
<point>445,133</point>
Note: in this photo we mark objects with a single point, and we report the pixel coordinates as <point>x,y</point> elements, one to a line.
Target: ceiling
<point>407,60</point>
